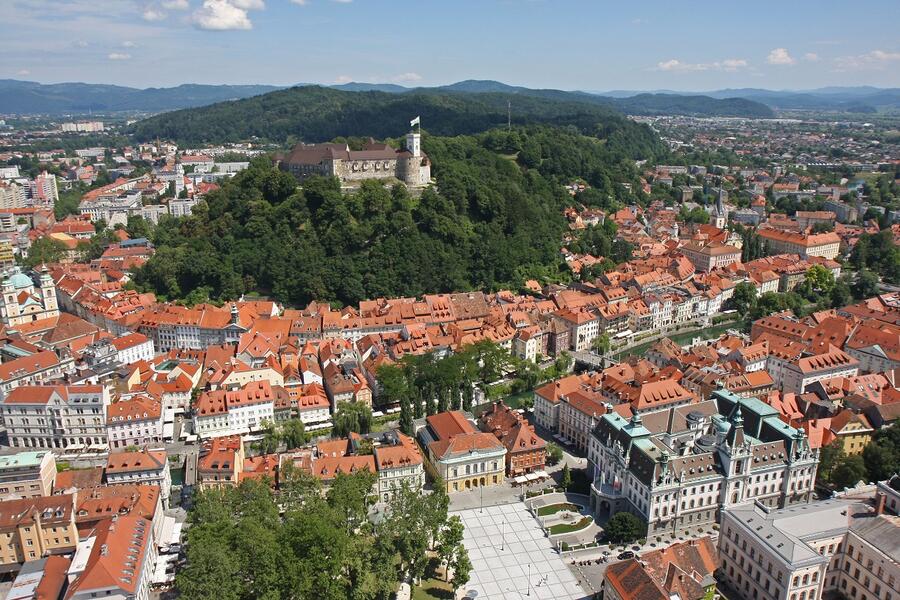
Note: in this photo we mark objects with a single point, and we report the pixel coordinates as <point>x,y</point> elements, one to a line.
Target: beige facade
<point>36,527</point>
<point>27,475</point>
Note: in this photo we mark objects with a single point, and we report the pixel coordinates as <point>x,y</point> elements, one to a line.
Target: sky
<point>592,45</point>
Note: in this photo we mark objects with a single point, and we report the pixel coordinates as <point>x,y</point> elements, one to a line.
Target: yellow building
<point>853,431</point>
<point>36,527</point>
<point>7,255</point>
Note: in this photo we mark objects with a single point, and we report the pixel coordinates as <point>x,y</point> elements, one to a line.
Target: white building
<point>398,463</point>
<point>220,413</point>
<point>798,374</point>
<point>679,468</point>
<point>137,421</point>
<point>808,551</point>
<point>56,417</point>
<point>133,347</point>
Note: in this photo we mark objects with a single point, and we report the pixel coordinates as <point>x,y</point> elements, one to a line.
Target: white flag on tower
<point>414,122</point>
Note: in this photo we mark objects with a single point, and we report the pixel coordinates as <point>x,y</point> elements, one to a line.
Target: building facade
<point>679,467</point>
<point>27,475</point>
<point>56,417</point>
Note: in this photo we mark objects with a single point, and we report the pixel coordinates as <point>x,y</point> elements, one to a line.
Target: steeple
<point>736,433</point>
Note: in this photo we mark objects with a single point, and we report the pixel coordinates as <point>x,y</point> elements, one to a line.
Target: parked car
<point>626,555</point>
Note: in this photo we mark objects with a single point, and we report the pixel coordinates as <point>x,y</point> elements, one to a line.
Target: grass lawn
<point>432,589</point>
<point>555,508</point>
<point>570,527</point>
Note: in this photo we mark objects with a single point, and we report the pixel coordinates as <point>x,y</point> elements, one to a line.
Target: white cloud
<point>343,79</point>
<point>23,72</point>
<point>153,14</point>
<point>876,59</point>
<point>342,1</point>
<point>176,4</point>
<point>729,64</point>
<point>780,56</point>
<point>223,15</point>
<point>811,57</point>
<point>80,43</point>
<point>129,44</point>
<point>300,2</point>
<point>118,56</point>
<point>406,78</point>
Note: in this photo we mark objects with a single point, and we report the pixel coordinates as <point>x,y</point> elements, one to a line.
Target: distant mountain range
<point>26,97</point>
<point>849,99</point>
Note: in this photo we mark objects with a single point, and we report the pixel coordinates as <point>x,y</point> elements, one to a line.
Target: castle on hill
<point>375,161</point>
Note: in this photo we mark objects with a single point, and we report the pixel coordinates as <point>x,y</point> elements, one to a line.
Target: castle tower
<point>414,143</point>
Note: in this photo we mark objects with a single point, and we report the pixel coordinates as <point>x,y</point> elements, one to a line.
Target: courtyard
<point>512,558</point>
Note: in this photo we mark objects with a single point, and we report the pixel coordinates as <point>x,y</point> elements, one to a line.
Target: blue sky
<point>566,44</point>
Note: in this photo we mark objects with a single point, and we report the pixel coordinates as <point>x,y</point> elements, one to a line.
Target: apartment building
<point>238,412</point>
<point>399,464</point>
<point>136,421</point>
<point>116,560</point>
<point>799,374</point>
<point>27,475</point>
<point>56,417</point>
<point>33,528</point>
<point>142,467</point>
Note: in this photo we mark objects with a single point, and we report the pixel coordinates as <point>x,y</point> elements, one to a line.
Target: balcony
<point>606,490</point>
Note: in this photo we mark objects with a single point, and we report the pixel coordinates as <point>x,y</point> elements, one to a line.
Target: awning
<point>541,474</point>
<point>531,477</point>
<point>521,479</point>
<point>165,532</point>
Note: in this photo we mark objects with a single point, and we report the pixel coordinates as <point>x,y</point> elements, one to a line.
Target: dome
<point>19,280</point>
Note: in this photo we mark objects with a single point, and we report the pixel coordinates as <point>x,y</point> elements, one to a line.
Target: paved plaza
<point>502,542</point>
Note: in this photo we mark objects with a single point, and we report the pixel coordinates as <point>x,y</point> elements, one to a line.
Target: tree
<point>624,527</point>
<point>820,278</point>
<point>45,250</point>
<point>293,433</point>
<point>840,295</point>
<point>451,538</point>
<point>554,453</point>
<point>601,344</point>
<point>462,567</point>
<point>849,472</point>
<point>882,454</point>
<point>566,478</point>
<point>866,285</point>
<point>744,298</point>
<point>406,418</point>
<point>352,416</point>
<point>829,457</point>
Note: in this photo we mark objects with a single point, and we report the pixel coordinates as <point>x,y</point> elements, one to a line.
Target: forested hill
<point>316,114</point>
<point>494,220</point>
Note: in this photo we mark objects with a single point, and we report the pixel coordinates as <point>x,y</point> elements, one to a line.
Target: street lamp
<point>503,535</point>
<point>529,580</point>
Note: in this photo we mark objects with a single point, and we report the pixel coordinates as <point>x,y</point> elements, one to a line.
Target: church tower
<point>48,294</point>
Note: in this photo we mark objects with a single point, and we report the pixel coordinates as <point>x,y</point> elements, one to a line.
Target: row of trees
<point>427,384</point>
<point>240,548</point>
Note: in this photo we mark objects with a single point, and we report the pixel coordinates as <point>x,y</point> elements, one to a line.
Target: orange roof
<point>145,460</point>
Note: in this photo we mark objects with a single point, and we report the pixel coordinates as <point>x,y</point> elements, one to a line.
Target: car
<point>626,555</point>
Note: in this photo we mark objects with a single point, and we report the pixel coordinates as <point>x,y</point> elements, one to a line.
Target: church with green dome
<point>27,298</point>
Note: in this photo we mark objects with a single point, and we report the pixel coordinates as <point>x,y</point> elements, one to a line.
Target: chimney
<point>880,500</point>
